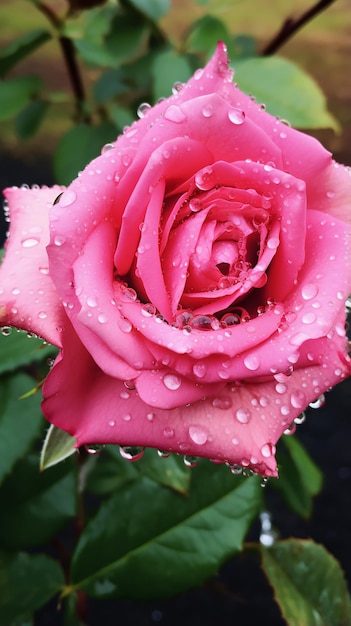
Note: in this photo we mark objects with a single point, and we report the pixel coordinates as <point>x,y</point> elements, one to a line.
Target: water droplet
<point>174,114</point>
<point>42,315</point>
<point>222,402</point>
<point>309,291</point>
<point>142,109</point>
<point>251,362</point>
<point>280,388</point>
<point>207,110</point>
<point>268,534</point>
<point>94,449</point>
<point>205,179</point>
<point>308,318</point>
<point>172,382</point>
<point>125,325</point>
<point>204,322</point>
<point>102,318</point>
<point>236,116</point>
<point>148,309</point>
<point>164,454</point>
<point>129,384</point>
<point>300,418</point>
<point>107,147</point>
<point>198,435</point>
<point>273,243</point>
<point>30,242</point>
<point>111,423</point>
<point>200,369</point>
<point>131,453</point>
<point>6,330</point>
<point>59,240</point>
<point>195,205</point>
<point>190,461</point>
<point>243,415</point>
<point>298,399</point>
<point>168,432</point>
<point>177,86</point>
<point>67,198</point>
<point>92,301</point>
<point>290,430</point>
<point>317,404</point>
<point>128,294</point>
<point>267,450</point>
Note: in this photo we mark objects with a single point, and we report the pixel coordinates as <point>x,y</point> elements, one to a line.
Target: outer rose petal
<point>28,297</point>
<point>240,424</point>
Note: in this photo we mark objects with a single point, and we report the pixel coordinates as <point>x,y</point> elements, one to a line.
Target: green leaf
<point>121,116</point>
<point>20,420</point>
<point>26,583</point>
<point>148,541</point>
<point>15,93</point>
<point>126,37</point>
<point>167,68</point>
<point>94,53</point>
<point>311,475</point>
<point>286,90</point>
<point>19,49</point>
<point>30,118</point>
<point>153,9</point>
<point>108,86</point>
<point>299,478</point>
<point>57,447</point>
<point>78,147</point>
<point>205,34</point>
<point>308,584</point>
<point>18,350</point>
<point>37,505</point>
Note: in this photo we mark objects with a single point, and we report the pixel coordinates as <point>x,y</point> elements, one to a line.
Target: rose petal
<point>28,298</point>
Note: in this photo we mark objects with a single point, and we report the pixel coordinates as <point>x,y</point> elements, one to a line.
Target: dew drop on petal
<point>236,116</point>
<point>142,109</point>
<point>243,416</point>
<point>207,110</point>
<point>172,382</point>
<point>93,449</point>
<point>300,418</point>
<point>298,399</point>
<point>198,435</point>
<point>67,198</point>
<point>309,291</point>
<point>267,450</point>
<point>29,242</point>
<point>318,403</point>
<point>223,403</point>
<point>131,453</point>
<point>168,432</point>
<point>252,362</point>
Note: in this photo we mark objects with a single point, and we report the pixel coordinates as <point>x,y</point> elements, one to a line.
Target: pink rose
<point>195,279</point>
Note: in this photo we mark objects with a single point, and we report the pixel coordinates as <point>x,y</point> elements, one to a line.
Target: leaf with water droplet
<point>309,585</point>
<point>58,446</point>
<point>185,539</point>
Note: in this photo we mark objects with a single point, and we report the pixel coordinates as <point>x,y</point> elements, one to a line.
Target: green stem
<point>291,26</point>
<point>70,59</point>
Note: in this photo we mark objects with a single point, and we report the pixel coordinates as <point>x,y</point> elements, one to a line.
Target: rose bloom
<point>194,277</point>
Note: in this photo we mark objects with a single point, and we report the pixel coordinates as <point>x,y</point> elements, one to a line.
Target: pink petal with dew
<point>109,337</point>
<point>28,298</point>
<point>239,424</point>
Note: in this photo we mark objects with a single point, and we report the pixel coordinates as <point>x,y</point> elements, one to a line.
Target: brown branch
<point>291,26</point>
<point>70,59</point>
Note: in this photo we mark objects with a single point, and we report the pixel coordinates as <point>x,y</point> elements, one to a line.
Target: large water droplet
<point>252,362</point>
<point>236,116</point>
<point>317,404</point>
<point>172,382</point>
<point>309,291</point>
<point>298,399</point>
<point>200,369</point>
<point>243,415</point>
<point>67,198</point>
<point>30,242</point>
<point>131,453</point>
<point>142,109</point>
<point>205,179</point>
<point>198,434</point>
